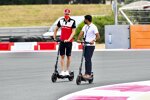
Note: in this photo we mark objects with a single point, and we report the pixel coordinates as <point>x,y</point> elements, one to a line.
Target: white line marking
<point>122,50</point>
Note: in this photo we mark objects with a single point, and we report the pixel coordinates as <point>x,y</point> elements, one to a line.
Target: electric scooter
<point>56,74</point>
<point>80,76</point>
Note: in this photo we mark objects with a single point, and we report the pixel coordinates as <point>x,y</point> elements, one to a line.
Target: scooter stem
<point>57,57</point>
<point>80,69</point>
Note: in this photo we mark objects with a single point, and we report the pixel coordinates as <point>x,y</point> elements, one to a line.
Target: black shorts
<point>65,48</point>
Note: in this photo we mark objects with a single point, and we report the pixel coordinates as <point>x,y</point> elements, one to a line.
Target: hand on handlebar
<point>53,38</point>
<point>84,42</point>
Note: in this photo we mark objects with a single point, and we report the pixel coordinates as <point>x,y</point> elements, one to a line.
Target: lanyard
<point>86,32</point>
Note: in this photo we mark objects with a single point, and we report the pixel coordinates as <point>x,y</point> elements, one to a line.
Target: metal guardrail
<point>23,31</point>
<point>22,34</point>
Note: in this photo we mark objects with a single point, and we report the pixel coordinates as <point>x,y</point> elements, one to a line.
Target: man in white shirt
<point>91,34</point>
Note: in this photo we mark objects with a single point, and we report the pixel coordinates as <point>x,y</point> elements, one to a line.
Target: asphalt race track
<point>27,76</point>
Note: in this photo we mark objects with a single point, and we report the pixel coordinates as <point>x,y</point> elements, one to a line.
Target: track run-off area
<point>27,75</point>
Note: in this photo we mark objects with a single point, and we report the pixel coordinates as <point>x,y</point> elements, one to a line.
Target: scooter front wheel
<point>78,80</point>
<point>71,77</point>
<point>54,77</point>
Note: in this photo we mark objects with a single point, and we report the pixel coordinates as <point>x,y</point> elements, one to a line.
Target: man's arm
<point>55,32</point>
<point>56,29</point>
<point>80,35</point>
<point>72,35</point>
<point>73,32</point>
<point>97,36</point>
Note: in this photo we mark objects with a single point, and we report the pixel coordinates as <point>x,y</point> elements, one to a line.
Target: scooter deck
<point>60,76</point>
<point>66,76</point>
<point>86,79</point>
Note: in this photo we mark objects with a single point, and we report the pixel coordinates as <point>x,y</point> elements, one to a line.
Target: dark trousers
<point>88,59</point>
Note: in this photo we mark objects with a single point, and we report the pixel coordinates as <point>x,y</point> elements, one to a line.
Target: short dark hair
<point>88,17</point>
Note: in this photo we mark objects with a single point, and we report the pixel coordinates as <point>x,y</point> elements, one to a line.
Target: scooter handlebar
<point>84,42</point>
<point>58,40</point>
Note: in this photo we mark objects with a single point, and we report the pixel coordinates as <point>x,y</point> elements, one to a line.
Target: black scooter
<point>80,76</point>
<point>56,74</point>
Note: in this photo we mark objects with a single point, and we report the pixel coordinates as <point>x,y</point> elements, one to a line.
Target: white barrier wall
<point>23,46</point>
<point>117,37</point>
<point>34,46</point>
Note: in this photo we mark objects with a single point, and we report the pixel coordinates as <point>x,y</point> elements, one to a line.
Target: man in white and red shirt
<point>67,26</point>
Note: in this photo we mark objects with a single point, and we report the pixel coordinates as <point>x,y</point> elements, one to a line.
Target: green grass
<point>45,15</point>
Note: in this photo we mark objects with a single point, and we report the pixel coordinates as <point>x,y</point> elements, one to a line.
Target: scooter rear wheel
<point>78,80</point>
<point>91,81</point>
<point>54,77</point>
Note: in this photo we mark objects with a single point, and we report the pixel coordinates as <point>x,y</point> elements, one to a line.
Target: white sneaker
<point>67,73</point>
<point>62,73</point>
